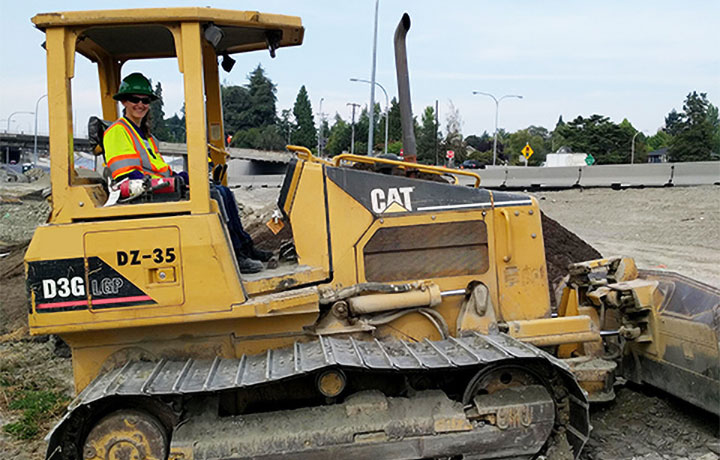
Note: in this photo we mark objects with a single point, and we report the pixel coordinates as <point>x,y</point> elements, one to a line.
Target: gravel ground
<point>676,228</point>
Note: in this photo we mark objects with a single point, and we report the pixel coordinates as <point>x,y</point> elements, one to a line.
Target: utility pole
<point>352,135</point>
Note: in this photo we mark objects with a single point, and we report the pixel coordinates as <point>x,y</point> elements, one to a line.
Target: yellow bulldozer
<point>415,323</point>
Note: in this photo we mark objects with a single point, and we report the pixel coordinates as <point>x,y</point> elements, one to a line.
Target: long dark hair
<point>144,123</point>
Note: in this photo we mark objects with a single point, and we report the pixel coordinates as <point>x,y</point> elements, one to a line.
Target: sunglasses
<point>135,100</point>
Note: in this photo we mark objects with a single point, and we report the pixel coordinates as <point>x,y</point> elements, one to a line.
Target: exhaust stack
<point>403,80</point>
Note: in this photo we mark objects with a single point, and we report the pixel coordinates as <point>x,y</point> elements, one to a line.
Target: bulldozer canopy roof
<point>142,33</point>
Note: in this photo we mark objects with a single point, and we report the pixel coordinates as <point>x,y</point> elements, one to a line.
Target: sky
<point>622,59</point>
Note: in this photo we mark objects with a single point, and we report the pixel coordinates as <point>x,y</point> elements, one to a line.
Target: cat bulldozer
<point>415,321</point>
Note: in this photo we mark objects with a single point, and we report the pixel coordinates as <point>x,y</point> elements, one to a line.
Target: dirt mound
<point>563,247</point>
<point>255,223</point>
<point>13,311</point>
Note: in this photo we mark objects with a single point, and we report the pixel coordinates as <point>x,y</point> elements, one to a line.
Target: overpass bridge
<point>19,148</point>
<point>266,168</point>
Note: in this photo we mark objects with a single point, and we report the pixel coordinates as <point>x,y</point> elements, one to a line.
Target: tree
<point>361,132</point>
<point>286,125</point>
<point>261,92</point>
<point>338,139</point>
<point>715,121</point>
<point>176,128</point>
<point>453,138</point>
<point>249,106</point>
<point>694,138</point>
<point>236,102</point>
<point>157,116</point>
<point>659,140</point>
<point>482,143</point>
<point>536,137</point>
<point>598,136</point>
<point>672,122</point>
<point>480,147</point>
<point>395,123</point>
<point>262,138</point>
<point>427,140</point>
<point>304,133</point>
<point>556,139</point>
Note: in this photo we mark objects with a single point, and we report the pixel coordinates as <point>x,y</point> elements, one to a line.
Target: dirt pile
<point>13,311</point>
<point>563,247</point>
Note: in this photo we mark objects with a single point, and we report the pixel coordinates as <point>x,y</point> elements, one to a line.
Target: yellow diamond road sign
<point>527,151</point>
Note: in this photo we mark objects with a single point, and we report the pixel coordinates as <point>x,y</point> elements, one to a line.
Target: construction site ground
<point>673,228</point>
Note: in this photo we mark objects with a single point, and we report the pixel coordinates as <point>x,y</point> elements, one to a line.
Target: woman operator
<point>131,153</point>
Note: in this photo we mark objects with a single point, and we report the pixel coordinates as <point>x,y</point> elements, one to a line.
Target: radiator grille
<point>427,251</point>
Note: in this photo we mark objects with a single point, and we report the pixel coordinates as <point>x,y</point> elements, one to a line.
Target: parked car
<point>472,164</point>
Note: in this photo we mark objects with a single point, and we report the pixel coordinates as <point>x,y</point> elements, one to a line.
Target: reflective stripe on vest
<point>146,160</point>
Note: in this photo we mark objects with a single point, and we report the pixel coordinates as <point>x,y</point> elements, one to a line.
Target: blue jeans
<point>241,240</point>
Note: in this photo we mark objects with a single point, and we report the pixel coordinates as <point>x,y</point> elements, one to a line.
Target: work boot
<point>260,254</point>
<point>248,265</point>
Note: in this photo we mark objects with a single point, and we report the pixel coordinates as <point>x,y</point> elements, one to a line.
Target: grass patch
<point>36,406</point>
<point>34,389</point>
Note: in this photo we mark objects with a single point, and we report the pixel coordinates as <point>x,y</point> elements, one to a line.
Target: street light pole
<point>16,113</point>
<point>632,148</point>
<point>387,107</point>
<point>372,84</point>
<point>352,135</point>
<point>497,110</point>
<point>35,154</point>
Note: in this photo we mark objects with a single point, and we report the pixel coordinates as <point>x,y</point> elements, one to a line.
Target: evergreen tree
<point>157,116</point>
<point>176,128</point>
<point>338,139</point>
<point>286,124</point>
<point>395,123</point>
<point>426,138</point>
<point>361,132</point>
<point>672,122</point>
<point>715,122</point>
<point>235,101</point>
<point>261,138</point>
<point>261,92</point>
<point>304,133</point>
<point>694,139</point>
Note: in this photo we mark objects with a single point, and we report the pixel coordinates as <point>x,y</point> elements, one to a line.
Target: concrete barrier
<point>538,177</point>
<point>489,177</point>
<point>642,175</point>
<point>698,173</point>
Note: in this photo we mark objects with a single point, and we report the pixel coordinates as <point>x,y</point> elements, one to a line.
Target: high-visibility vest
<point>126,151</point>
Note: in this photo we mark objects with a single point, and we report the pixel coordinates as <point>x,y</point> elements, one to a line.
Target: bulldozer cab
<point>195,38</point>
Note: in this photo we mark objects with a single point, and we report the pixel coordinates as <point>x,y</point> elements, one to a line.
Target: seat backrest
<point>96,130</point>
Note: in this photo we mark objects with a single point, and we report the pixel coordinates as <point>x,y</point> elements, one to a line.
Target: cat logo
<point>396,199</point>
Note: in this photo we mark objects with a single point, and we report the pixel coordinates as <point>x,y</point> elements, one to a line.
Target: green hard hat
<point>135,83</point>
